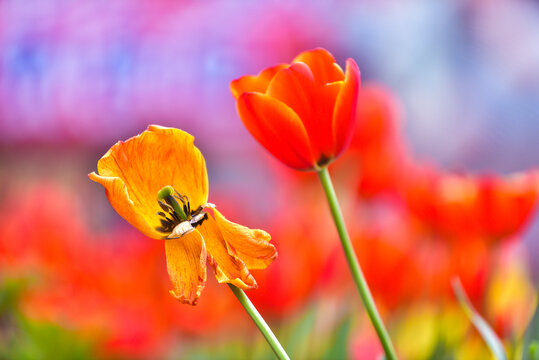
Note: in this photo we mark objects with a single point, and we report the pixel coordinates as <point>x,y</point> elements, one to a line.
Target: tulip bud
<point>303,113</point>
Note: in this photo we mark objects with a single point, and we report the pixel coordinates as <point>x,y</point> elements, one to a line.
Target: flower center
<point>178,220</point>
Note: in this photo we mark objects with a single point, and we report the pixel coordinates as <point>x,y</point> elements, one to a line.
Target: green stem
<point>260,323</point>
<point>353,264</point>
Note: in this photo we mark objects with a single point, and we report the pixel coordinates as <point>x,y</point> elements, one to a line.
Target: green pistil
<point>166,194</point>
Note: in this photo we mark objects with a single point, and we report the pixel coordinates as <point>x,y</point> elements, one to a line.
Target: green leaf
<point>533,350</point>
<point>10,291</point>
<point>339,343</point>
<point>530,349</point>
<point>23,338</point>
<point>41,340</point>
<point>489,336</point>
<point>299,339</point>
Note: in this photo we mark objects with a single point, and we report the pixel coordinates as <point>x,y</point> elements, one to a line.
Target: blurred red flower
<point>377,149</point>
<point>109,288</point>
<point>37,222</point>
<point>451,205</point>
<point>491,207</point>
<point>292,280</point>
<point>421,226</point>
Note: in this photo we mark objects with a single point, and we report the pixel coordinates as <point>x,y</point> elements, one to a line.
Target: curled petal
<point>228,266</point>
<point>118,196</point>
<point>251,246</point>
<point>133,171</point>
<point>322,65</point>
<point>186,265</point>
<point>252,83</point>
<point>277,128</point>
<point>344,114</point>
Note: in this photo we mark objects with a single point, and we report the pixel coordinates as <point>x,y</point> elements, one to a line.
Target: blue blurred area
<point>466,71</point>
<point>88,74</point>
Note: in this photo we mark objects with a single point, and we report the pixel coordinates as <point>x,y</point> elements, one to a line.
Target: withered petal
<point>186,266</point>
<point>228,266</point>
<point>134,171</point>
<point>252,246</point>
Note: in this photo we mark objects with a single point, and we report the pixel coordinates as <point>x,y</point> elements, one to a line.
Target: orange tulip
<point>302,113</point>
<point>147,178</point>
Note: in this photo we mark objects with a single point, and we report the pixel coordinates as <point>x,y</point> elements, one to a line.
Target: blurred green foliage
<point>530,348</point>
<point>26,339</point>
<point>299,338</point>
<point>305,335</point>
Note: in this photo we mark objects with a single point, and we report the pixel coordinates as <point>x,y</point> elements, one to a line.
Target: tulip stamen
<point>176,220</point>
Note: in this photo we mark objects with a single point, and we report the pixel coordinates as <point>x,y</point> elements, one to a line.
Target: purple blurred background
<point>92,73</point>
<point>77,77</point>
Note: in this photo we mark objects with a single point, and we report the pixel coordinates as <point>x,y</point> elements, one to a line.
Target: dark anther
<point>170,218</point>
<point>175,216</point>
<point>165,206</point>
<point>166,222</point>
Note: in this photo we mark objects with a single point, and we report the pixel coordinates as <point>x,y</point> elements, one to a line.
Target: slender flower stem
<point>260,323</point>
<point>354,266</point>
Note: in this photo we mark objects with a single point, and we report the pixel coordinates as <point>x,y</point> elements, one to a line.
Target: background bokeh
<point>439,180</point>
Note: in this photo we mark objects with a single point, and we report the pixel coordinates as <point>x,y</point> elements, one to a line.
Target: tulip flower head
<point>304,112</point>
<point>157,181</point>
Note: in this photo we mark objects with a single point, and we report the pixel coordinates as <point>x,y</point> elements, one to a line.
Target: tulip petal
<point>295,87</point>
<point>252,246</point>
<point>118,196</point>
<point>228,266</point>
<point>322,132</point>
<point>312,102</point>
<point>344,114</point>
<point>277,128</point>
<point>254,83</point>
<point>322,65</point>
<point>186,265</point>
<point>133,171</point>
